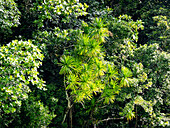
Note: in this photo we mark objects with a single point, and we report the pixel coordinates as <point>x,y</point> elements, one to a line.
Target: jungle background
<point>84,63</point>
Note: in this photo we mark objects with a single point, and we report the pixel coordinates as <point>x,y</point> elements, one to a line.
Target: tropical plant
<point>19,61</point>
<point>9,17</point>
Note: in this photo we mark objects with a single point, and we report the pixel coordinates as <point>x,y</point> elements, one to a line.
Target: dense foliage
<point>84,63</point>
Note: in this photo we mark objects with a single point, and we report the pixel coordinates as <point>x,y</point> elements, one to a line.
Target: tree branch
<point>109,119</point>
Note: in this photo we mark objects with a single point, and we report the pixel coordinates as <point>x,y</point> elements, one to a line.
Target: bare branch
<point>109,119</point>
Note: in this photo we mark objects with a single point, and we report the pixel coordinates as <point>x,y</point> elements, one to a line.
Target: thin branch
<point>103,106</point>
<point>82,105</point>
<point>65,115</point>
<point>99,100</point>
<point>109,119</point>
<point>69,106</point>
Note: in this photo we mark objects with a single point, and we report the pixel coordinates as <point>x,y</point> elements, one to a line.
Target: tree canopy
<point>84,63</point>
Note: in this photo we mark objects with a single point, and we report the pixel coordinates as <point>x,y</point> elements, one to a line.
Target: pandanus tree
<point>85,71</point>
